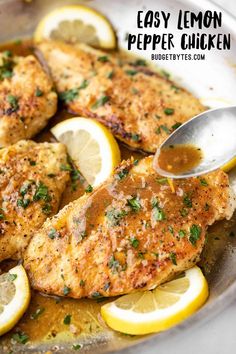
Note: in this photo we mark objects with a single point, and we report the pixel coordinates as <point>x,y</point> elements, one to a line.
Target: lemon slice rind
<point>136,323</point>
<point>100,139</point>
<point>104,30</point>
<point>14,310</point>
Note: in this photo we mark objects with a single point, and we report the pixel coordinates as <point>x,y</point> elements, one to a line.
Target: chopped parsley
<point>12,277</point>
<point>134,91</point>
<point>82,283</point>
<point>66,290</point>
<point>103,58</point>
<point>176,88</point>
<point>187,201</point>
<point>37,313</point>
<point>110,74</point>
<point>65,168</point>
<point>176,126</point>
<point>169,111</point>
<point>38,92</point>
<point>183,212</point>
<point>84,85</point>
<point>67,319</point>
<point>6,69</point>
<point>135,137</point>
<point>96,295</point>
<point>113,264</point>
<point>206,207</point>
<point>46,208</point>
<point>20,337</point>
<point>154,202</point>
<point>13,101</point>
<point>7,53</point>
<point>75,174</point>
<point>76,346</point>
<point>32,163</point>
<point>195,232</point>
<point>42,193</point>
<point>89,189</point>
<point>131,72</point>
<point>170,228</point>
<point>203,182</point>
<point>134,203</point>
<point>164,128</point>
<point>140,62</point>
<point>182,233</point>
<point>106,286</point>
<point>53,233</point>
<point>23,203</point>
<point>114,216</point>
<point>134,242</point>
<point>100,102</point>
<point>173,258</point>
<point>122,174</point>
<point>165,74</point>
<point>69,95</point>
<point>158,214</point>
<point>163,180</point>
<point>25,188</point>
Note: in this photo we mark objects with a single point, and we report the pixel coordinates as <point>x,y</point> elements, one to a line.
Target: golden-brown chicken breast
<point>133,232</point>
<point>138,105</point>
<point>31,184</point>
<point>27,99</point>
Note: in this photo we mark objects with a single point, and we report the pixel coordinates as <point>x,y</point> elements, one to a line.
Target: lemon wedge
<point>159,309</point>
<point>92,147</point>
<point>14,297</point>
<point>75,24</point>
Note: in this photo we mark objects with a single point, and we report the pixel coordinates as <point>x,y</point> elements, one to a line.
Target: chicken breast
<point>27,99</point>
<point>132,233</point>
<point>138,105</point>
<point>31,184</point>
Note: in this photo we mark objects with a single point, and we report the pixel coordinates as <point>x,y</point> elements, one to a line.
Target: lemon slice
<point>14,297</point>
<point>158,309</point>
<point>91,145</point>
<point>75,24</point>
<point>229,165</point>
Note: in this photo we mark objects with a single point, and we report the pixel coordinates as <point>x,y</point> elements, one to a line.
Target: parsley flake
<point>173,258</point>
<point>100,102</point>
<point>67,319</point>
<point>169,111</point>
<point>195,232</point>
<point>134,242</point>
<point>13,101</point>
<point>134,203</point>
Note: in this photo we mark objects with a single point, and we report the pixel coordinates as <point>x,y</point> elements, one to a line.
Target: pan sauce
<point>178,159</point>
<point>45,317</point>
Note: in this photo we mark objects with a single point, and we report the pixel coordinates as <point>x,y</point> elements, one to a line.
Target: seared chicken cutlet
<point>27,99</point>
<point>31,184</point>
<point>132,233</point>
<point>138,105</point>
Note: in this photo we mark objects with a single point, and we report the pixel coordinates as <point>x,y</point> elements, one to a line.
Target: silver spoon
<point>214,132</point>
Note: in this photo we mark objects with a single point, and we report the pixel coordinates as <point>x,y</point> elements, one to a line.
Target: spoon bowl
<point>213,131</point>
